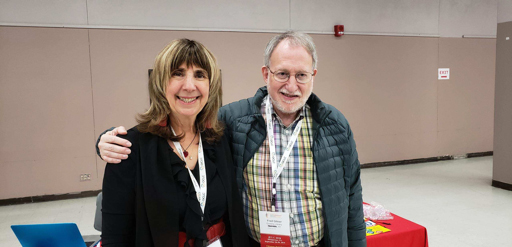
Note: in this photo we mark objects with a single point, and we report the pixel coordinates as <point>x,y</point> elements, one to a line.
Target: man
<point>292,152</point>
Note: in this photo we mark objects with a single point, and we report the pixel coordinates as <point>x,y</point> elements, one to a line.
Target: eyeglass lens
<point>284,76</point>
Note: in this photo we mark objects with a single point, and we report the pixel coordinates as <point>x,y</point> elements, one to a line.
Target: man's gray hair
<point>295,38</point>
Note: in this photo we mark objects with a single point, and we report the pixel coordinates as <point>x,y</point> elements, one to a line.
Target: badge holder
<point>274,229</point>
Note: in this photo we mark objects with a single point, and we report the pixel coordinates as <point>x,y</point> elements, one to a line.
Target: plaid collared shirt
<point>297,187</point>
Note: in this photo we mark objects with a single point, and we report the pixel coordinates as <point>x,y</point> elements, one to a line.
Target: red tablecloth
<point>404,233</point>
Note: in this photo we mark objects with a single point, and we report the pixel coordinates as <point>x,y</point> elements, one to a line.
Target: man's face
<point>289,97</point>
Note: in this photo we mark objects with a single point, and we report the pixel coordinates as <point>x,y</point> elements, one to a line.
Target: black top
<point>186,199</point>
<point>148,198</point>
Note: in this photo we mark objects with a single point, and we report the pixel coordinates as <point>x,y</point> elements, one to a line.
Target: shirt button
<point>287,132</point>
<point>291,215</point>
<point>297,241</point>
<point>289,186</point>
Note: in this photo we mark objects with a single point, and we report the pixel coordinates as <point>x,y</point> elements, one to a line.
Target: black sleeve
<point>118,206</point>
<point>235,220</point>
<point>98,141</point>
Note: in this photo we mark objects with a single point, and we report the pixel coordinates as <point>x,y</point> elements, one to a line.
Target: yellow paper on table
<point>376,229</point>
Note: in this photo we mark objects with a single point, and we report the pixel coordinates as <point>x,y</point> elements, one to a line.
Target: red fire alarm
<point>339,30</point>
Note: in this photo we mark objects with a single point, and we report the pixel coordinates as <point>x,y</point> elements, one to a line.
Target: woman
<point>177,187</point>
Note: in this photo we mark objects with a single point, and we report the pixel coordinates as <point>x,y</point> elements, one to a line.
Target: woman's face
<point>187,91</point>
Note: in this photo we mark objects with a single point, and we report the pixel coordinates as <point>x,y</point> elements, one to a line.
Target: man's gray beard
<point>292,111</point>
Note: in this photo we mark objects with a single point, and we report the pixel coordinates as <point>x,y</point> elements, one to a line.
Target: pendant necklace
<point>185,152</point>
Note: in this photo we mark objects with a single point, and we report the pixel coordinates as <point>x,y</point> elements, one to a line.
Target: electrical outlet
<point>85,177</point>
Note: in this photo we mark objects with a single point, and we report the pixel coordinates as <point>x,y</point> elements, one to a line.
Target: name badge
<point>274,229</point>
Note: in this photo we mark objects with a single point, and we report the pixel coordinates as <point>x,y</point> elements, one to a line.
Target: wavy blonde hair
<point>176,53</point>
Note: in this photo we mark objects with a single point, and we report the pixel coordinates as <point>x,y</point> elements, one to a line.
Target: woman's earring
<point>163,123</point>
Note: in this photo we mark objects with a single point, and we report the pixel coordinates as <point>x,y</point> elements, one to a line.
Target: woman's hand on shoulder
<point>112,148</point>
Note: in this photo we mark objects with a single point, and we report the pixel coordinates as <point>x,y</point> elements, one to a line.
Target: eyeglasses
<point>283,76</point>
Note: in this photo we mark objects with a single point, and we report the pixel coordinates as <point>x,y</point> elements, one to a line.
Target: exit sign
<point>443,73</point>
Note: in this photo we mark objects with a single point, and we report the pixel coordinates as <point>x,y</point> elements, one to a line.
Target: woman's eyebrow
<point>179,69</point>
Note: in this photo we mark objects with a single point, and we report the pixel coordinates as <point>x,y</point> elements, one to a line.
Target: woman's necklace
<point>185,152</point>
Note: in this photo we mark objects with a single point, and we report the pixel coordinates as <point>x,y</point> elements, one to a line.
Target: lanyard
<point>200,189</point>
<point>278,168</point>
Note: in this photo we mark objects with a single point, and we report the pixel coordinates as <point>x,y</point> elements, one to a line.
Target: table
<point>404,233</point>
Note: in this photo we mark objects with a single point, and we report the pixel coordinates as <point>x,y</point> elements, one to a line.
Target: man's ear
<point>264,72</point>
<point>314,74</point>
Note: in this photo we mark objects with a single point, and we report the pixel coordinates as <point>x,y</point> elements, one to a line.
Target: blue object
<point>49,235</point>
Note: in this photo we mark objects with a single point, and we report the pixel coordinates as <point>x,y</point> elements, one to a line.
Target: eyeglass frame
<point>289,75</point>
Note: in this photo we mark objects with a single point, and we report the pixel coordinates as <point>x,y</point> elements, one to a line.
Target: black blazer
<point>138,194</point>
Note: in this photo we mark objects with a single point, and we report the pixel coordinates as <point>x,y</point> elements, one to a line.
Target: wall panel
<point>48,12</point>
<point>194,14</point>
<point>445,18</point>
<point>466,101</point>
<point>386,86</point>
<point>46,114</point>
<point>468,18</point>
<point>502,166</point>
<point>392,17</point>
<point>504,11</point>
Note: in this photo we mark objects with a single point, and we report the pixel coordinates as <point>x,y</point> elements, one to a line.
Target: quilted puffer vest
<point>334,153</point>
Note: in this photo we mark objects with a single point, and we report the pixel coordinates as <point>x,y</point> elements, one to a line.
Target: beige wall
<point>388,89</point>
<point>444,18</point>
<point>504,11</point>
<point>502,166</point>
<point>465,103</point>
<point>61,87</point>
<point>46,112</point>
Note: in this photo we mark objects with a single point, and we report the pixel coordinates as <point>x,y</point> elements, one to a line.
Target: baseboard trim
<point>46,198</point>
<point>423,160</point>
<point>480,154</point>
<point>501,185</point>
